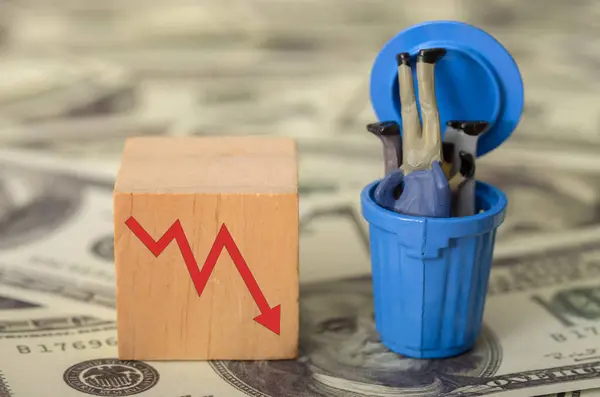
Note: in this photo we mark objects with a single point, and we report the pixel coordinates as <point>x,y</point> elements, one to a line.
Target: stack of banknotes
<point>78,78</point>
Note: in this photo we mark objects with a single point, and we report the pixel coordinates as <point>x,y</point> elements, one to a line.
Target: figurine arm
<point>466,172</point>
<point>388,133</point>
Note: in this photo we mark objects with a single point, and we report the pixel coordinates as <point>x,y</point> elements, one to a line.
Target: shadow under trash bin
<point>430,275</point>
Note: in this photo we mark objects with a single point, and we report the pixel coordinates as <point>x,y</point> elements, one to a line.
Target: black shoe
<point>384,128</point>
<point>467,164</point>
<point>472,128</point>
<point>403,59</point>
<point>431,55</point>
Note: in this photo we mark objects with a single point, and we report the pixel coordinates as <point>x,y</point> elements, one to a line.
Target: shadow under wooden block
<point>172,197</point>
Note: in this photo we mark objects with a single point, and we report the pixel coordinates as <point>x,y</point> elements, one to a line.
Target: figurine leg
<point>392,137</point>
<point>411,126</point>
<point>432,138</point>
<point>389,134</point>
<point>464,135</point>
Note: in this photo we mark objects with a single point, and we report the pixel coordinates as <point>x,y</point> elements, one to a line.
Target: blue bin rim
<point>424,237</point>
<point>482,189</point>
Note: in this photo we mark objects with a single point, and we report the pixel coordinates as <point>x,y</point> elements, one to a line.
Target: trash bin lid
<point>477,79</point>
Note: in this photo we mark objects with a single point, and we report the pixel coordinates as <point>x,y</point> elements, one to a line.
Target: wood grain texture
<point>159,313</point>
<point>208,165</point>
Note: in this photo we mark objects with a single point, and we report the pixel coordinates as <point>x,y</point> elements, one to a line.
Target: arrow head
<point>270,319</point>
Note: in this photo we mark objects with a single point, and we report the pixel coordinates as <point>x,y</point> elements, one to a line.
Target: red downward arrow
<point>270,317</point>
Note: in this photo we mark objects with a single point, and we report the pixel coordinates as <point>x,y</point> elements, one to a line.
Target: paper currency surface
<point>540,336</point>
<point>77,78</point>
<point>56,222</point>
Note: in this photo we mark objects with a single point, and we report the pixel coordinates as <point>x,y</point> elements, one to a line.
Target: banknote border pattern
<point>232,380</point>
<point>136,364</point>
<point>5,390</point>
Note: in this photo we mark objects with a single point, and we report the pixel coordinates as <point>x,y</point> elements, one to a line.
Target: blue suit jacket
<point>425,193</point>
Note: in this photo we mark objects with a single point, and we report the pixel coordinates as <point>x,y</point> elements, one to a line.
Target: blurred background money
<point>78,77</point>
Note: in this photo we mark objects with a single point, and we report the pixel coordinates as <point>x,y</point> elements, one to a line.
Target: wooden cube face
<point>248,184</point>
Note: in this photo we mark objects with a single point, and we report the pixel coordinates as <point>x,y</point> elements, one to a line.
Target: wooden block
<point>248,184</point>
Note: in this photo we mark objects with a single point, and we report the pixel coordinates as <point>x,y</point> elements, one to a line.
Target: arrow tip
<point>270,319</point>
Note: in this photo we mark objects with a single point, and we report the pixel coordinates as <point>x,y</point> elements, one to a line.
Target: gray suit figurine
<point>464,135</point>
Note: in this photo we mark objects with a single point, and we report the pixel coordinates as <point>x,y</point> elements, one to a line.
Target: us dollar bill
<point>34,88</point>
<point>576,393</point>
<point>540,336</point>
<point>56,223</point>
<point>343,356</point>
<point>538,179</point>
<point>54,346</point>
<point>332,173</point>
<point>301,67</point>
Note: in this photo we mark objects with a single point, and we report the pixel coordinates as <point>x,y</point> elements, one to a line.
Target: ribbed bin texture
<point>430,275</point>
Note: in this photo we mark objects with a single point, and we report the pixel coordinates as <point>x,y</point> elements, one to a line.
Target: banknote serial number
<point>583,355</point>
<point>575,333</point>
<point>67,346</point>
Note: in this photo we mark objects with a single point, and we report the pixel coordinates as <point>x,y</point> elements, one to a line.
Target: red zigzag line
<point>200,277</point>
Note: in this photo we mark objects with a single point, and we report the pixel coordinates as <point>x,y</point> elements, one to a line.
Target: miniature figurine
<point>463,136</point>
<point>424,188</point>
<point>389,134</point>
<point>465,172</point>
<point>422,147</point>
<point>447,158</point>
<point>421,187</point>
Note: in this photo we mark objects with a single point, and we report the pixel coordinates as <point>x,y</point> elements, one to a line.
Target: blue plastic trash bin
<point>430,275</point>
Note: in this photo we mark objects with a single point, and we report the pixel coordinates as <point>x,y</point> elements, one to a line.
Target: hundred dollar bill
<point>36,88</point>
<point>88,139</point>
<point>333,171</point>
<point>544,200</point>
<point>586,393</point>
<point>316,41</point>
<point>540,336</point>
<point>56,224</point>
<point>576,393</point>
<point>538,179</point>
<point>52,346</point>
